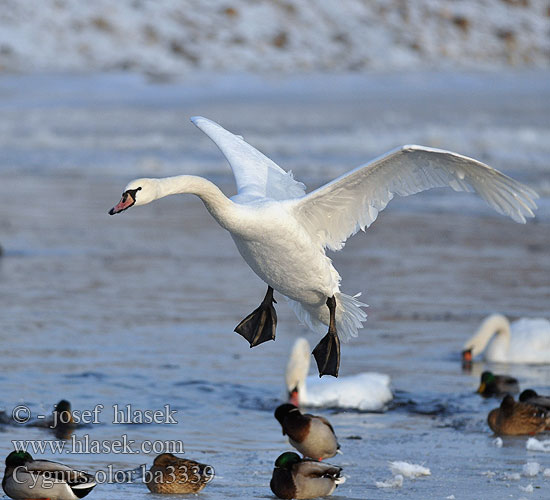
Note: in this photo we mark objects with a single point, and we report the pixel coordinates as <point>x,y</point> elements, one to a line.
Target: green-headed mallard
<point>295,477</point>
<point>26,478</point>
<point>517,418</point>
<point>171,474</point>
<point>497,385</point>
<point>311,435</point>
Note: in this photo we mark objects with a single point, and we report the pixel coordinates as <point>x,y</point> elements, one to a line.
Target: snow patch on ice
<point>531,469</point>
<point>409,470</point>
<point>534,444</point>
<point>498,442</point>
<point>394,482</point>
<point>527,489</point>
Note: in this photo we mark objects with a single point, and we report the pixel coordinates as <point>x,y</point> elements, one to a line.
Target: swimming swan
<point>524,341</point>
<point>366,391</point>
<point>282,233</point>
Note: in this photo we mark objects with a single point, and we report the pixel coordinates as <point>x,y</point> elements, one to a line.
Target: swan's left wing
<point>335,211</point>
<point>255,174</point>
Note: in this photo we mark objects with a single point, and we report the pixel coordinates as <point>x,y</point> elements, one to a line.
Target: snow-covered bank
<point>177,36</point>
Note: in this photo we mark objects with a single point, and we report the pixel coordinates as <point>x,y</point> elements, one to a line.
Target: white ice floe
<point>533,444</point>
<point>531,469</point>
<point>546,473</point>
<point>409,470</point>
<point>527,489</point>
<point>394,482</point>
<point>512,476</point>
<point>450,497</point>
<point>498,442</point>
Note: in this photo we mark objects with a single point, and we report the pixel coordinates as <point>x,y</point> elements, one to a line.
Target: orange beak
<point>293,398</point>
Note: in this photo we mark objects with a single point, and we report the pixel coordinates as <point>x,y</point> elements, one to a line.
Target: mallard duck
<point>60,422</point>
<point>295,477</point>
<point>283,233</point>
<point>311,435</point>
<point>25,478</point>
<point>517,418</point>
<point>497,385</point>
<point>530,396</point>
<point>171,474</point>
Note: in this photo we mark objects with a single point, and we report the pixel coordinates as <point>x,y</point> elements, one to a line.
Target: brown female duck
<point>517,418</point>
<point>171,474</point>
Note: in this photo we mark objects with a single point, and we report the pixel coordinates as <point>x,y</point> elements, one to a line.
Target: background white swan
<point>283,234</point>
<point>367,391</point>
<point>526,340</point>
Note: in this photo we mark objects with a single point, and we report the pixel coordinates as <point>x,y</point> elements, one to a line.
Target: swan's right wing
<point>257,177</point>
<point>335,211</point>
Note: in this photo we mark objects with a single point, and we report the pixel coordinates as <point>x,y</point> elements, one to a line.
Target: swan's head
<point>491,325</point>
<point>296,371</point>
<point>138,192</point>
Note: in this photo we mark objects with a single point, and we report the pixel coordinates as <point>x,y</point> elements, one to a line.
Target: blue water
<point>140,308</point>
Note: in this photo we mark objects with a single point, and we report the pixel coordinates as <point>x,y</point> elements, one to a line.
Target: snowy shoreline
<point>272,37</point>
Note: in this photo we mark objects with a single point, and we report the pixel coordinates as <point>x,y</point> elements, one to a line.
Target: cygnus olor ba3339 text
<point>282,232</point>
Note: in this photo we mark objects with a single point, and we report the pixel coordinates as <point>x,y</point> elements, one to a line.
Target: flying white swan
<point>282,233</point>
<point>367,391</point>
<point>526,340</point>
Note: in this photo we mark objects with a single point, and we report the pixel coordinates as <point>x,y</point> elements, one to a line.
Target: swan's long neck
<point>298,367</point>
<point>219,206</point>
<point>494,324</point>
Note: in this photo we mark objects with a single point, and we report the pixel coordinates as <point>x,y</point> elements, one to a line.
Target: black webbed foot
<point>327,352</point>
<point>327,355</point>
<point>259,326</point>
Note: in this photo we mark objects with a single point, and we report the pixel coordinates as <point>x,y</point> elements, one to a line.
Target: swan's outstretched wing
<point>351,202</point>
<point>256,175</point>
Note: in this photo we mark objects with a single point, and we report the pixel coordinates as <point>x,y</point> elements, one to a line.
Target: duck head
<point>165,459</point>
<point>287,460</point>
<point>18,458</point>
<point>486,378</point>
<point>528,394</point>
<point>282,411</point>
<point>63,410</point>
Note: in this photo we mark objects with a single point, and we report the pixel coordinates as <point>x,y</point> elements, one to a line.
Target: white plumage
<point>366,391</point>
<point>526,340</point>
<point>283,233</point>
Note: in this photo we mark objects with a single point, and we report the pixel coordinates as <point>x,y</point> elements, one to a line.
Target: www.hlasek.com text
<point>86,445</point>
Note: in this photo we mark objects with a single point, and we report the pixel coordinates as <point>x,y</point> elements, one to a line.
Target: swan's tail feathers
<point>307,318</point>
<point>349,316</point>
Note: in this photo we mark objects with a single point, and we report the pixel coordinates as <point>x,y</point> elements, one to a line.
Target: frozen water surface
<point>139,309</point>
